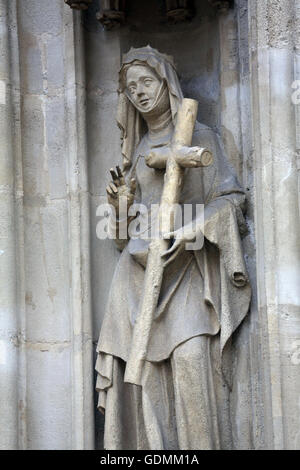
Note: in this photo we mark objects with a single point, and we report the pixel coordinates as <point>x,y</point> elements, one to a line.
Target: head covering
<point>129,119</point>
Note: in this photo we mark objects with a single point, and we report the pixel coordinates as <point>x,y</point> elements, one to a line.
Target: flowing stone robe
<point>205,294</point>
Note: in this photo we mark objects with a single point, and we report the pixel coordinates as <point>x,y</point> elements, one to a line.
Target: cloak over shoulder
<point>205,291</point>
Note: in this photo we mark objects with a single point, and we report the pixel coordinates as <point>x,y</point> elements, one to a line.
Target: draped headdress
<point>129,120</point>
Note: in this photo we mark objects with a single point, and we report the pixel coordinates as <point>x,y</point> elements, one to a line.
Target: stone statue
<point>180,397</point>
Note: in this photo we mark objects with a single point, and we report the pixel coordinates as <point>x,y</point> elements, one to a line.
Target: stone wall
<point>46,345</point>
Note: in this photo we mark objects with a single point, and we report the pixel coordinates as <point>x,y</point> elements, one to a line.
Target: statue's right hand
<point>118,189</point>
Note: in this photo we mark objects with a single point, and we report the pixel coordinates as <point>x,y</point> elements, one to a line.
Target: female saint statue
<point>182,401</point>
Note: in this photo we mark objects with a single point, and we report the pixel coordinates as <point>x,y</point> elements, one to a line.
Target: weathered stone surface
<point>276,218</point>
<point>48,387</point>
<point>242,79</point>
<point>44,336</point>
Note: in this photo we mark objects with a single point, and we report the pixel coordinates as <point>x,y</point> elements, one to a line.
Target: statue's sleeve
<point>227,286</point>
<point>224,198</point>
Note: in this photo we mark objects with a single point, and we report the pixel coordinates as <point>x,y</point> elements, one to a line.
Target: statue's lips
<point>144,102</point>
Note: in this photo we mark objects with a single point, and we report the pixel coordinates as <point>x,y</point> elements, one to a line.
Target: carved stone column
<point>12,370</point>
<point>79,231</point>
<point>274,33</point>
<point>296,87</point>
<point>235,130</point>
<point>58,372</point>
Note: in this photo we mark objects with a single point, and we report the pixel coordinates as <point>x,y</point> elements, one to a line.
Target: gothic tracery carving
<point>79,4</point>
<point>112,13</point>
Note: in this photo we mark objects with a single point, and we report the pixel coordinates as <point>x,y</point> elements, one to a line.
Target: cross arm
<point>186,157</point>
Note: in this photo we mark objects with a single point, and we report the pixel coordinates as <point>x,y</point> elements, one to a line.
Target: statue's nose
<point>140,90</point>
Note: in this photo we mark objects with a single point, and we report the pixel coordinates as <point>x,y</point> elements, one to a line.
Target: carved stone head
<point>147,82</point>
<point>143,86</point>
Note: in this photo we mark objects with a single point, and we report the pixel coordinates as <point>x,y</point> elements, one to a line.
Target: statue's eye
<point>148,81</point>
<point>132,89</point>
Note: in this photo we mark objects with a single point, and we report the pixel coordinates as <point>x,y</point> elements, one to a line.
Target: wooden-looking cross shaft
<point>182,137</point>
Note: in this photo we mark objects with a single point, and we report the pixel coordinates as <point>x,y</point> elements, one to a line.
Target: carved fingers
<point>132,186</point>
<point>117,176</point>
<point>118,188</point>
<point>112,190</point>
<point>176,248</point>
<point>180,236</point>
<point>113,187</point>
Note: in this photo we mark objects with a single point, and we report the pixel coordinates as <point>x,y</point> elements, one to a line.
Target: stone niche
<point>207,57</point>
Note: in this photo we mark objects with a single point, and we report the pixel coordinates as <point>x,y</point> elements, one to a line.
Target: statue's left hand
<point>181,236</point>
